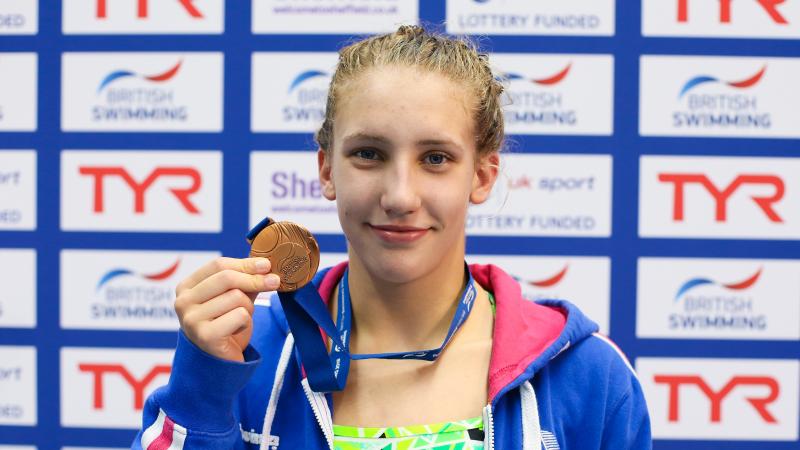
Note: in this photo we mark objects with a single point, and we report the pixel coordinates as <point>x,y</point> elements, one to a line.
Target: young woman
<point>411,138</point>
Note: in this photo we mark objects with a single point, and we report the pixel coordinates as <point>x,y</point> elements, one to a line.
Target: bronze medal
<point>292,251</point>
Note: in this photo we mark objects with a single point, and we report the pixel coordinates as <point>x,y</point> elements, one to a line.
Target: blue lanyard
<point>306,313</point>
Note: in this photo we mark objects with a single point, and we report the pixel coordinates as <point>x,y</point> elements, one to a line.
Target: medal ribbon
<point>306,313</point>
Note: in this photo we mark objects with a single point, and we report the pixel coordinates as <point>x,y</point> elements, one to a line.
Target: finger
<point>230,323</point>
<point>245,265</point>
<point>222,304</point>
<point>228,279</point>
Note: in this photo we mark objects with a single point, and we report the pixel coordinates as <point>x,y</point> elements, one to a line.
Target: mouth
<point>398,234</point>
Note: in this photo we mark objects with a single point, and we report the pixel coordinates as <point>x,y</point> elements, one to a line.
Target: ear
<point>325,178</point>
<point>485,175</point>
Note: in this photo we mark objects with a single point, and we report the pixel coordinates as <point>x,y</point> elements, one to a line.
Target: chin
<point>396,266</point>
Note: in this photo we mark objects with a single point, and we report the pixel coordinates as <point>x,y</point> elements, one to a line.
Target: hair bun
<point>410,30</point>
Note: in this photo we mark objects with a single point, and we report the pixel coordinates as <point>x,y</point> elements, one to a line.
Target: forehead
<point>405,103</point>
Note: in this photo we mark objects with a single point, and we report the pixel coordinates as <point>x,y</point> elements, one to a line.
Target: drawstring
<point>280,372</point>
<point>531,429</point>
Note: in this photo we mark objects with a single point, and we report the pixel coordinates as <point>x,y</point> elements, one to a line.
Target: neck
<point>409,316</point>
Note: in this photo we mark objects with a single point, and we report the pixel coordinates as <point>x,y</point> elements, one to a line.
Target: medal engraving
<point>292,251</point>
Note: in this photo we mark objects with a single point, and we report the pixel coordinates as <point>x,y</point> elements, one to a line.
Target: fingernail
<point>272,281</point>
<point>261,264</point>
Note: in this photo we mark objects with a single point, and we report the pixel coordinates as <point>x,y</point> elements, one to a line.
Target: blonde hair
<point>412,46</point>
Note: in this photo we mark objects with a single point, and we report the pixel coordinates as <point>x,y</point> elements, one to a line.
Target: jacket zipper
<point>488,427</point>
<point>310,396</point>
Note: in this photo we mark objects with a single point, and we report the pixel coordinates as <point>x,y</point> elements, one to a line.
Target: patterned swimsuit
<point>459,435</point>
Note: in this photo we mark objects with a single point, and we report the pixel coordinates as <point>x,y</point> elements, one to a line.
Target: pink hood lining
<point>523,330</point>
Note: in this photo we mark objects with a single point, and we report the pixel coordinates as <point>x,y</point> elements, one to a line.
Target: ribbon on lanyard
<point>306,313</point>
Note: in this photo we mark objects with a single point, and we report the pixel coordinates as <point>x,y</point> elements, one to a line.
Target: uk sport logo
<point>718,96</point>
<point>150,191</point>
<point>721,399</point>
<point>18,190</point>
<point>557,94</point>
<point>18,385</point>
<point>143,16</point>
<point>723,18</point>
<point>730,197</point>
<point>573,194</point>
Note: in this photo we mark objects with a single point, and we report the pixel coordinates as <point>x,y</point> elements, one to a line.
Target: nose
<point>400,194</point>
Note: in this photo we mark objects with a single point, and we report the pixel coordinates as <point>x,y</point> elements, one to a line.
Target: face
<point>403,169</point>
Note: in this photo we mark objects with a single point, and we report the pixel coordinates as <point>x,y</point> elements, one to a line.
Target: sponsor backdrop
<point>653,178</point>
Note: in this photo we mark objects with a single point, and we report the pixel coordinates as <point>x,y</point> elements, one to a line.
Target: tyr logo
<point>142,9</point>
<point>182,194</point>
<point>721,196</point>
<point>769,6</point>
<point>137,386</point>
<point>674,383</point>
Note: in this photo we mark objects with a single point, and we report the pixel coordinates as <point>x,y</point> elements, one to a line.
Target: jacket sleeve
<point>197,409</point>
<point>628,423</point>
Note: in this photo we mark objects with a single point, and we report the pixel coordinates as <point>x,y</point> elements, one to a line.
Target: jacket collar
<point>523,330</point>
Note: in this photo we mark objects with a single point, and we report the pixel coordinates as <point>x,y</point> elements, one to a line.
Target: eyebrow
<point>382,140</point>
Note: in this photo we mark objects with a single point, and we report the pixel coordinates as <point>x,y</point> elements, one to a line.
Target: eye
<point>366,153</point>
<point>435,159</point>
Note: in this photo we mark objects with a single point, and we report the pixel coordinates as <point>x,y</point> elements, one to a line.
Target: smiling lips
<point>396,234</point>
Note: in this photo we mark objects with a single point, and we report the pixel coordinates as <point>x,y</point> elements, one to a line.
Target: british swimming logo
<point>122,272</point>
<point>735,286</point>
<point>306,75</point>
<point>719,96</point>
<point>557,94</point>
<point>157,78</point>
<point>306,97</point>
<point>97,292</point>
<point>705,79</point>
<point>732,107</point>
<point>718,306</point>
<point>132,294</point>
<point>142,91</point>
<point>548,281</point>
<point>290,91</point>
<point>717,298</point>
<point>546,81</point>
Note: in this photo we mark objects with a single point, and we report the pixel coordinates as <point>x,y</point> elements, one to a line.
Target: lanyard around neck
<point>307,313</point>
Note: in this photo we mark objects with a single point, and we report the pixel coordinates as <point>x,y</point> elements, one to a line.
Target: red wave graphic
<point>547,282</point>
<point>555,78</point>
<point>749,81</point>
<point>746,283</point>
<point>166,75</point>
<point>165,274</point>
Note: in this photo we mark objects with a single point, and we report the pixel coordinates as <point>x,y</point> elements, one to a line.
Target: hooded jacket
<point>554,384</point>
